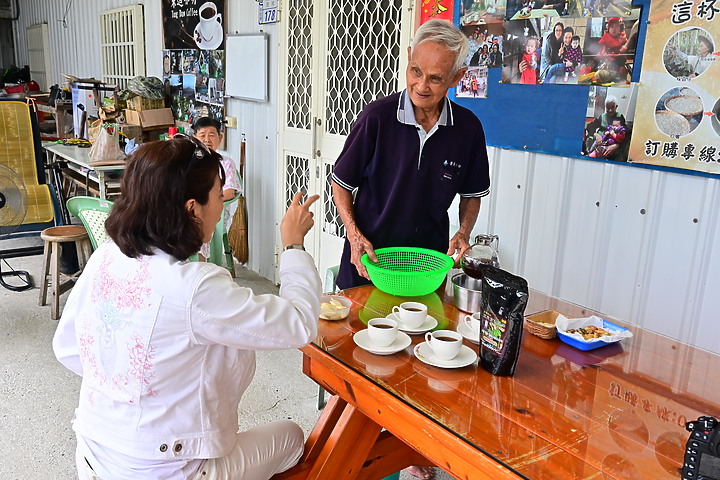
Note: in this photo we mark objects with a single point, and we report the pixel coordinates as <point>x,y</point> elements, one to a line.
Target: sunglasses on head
<point>201,152</point>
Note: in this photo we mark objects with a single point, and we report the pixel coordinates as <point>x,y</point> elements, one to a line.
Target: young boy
<point>530,74</point>
<point>572,57</point>
<point>209,131</point>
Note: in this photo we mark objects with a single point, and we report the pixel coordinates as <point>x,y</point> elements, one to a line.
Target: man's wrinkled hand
<point>458,245</point>
<point>360,245</point>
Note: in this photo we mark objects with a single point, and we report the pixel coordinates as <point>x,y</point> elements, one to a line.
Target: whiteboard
<point>246,62</point>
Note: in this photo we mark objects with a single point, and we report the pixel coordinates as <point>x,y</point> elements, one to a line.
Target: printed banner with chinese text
<point>676,121</point>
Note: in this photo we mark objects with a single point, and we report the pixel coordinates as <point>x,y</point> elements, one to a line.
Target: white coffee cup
<point>382,331</point>
<point>473,322</point>
<point>209,18</point>
<point>411,314</point>
<point>445,344</point>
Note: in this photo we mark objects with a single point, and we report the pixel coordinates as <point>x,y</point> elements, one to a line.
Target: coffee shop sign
<point>192,12</point>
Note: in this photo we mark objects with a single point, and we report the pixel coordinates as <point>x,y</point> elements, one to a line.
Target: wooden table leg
<point>346,444</point>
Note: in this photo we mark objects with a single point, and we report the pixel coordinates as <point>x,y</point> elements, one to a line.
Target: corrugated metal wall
<point>635,243</point>
<point>74,29</point>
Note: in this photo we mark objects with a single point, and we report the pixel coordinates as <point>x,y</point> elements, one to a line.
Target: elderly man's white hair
<point>611,99</point>
<point>447,34</point>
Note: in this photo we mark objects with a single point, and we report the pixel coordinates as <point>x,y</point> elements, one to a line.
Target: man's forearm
<point>468,213</point>
<point>344,204</point>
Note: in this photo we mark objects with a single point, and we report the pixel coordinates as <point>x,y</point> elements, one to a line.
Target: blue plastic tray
<point>594,344</point>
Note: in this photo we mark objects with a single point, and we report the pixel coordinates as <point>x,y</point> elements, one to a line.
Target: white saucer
<point>362,340</point>
<point>208,42</point>
<point>468,333</point>
<point>425,354</point>
<point>426,326</point>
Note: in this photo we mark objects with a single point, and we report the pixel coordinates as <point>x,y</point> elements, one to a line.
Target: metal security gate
<point>338,57</point>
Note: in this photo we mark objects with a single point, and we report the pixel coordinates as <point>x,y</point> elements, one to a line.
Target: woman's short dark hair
<point>204,122</point>
<point>159,179</point>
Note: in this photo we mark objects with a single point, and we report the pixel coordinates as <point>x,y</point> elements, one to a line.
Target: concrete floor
<point>38,395</point>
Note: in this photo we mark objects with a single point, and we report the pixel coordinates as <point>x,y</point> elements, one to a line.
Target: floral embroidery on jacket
<point>117,299</point>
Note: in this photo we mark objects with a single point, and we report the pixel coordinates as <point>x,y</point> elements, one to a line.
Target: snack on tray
<point>590,332</point>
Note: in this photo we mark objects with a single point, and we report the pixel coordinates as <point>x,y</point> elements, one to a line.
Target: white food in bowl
<point>334,307</point>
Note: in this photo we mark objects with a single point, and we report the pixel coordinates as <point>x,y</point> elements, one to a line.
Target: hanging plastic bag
<point>107,146</point>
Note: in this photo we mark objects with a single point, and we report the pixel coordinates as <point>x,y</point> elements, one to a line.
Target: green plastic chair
<point>92,212</point>
<point>220,252</point>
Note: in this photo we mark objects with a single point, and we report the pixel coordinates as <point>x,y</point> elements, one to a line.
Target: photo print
<point>607,8</point>
<point>204,63</point>
<point>216,66</point>
<point>679,111</point>
<point>527,9</point>
<point>523,51</point>
<point>715,116</point>
<point>486,45</point>
<point>473,84</point>
<point>166,63</point>
<point>688,53</point>
<point>176,61</point>
<point>609,122</point>
<point>190,59</point>
<point>481,12</point>
<point>173,84</point>
<point>201,89</point>
<point>609,50</point>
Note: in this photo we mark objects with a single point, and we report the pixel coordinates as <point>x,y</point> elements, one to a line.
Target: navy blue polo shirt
<point>405,179</point>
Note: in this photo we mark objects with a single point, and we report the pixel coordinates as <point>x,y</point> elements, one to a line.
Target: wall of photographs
<point>194,57</point>
<point>568,75</point>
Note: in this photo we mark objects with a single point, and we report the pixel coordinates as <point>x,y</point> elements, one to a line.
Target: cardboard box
<point>141,103</point>
<point>150,119</point>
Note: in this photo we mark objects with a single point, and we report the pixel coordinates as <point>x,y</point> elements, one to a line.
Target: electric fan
<point>13,208</point>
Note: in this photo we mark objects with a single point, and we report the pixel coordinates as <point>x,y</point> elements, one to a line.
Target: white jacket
<point>166,348</point>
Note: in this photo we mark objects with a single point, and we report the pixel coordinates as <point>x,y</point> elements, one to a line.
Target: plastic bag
<point>504,297</point>
<point>107,146</point>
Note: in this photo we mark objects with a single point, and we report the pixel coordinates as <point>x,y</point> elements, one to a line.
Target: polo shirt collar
<point>406,114</point>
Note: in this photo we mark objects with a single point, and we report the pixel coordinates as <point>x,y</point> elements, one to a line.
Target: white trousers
<point>259,454</point>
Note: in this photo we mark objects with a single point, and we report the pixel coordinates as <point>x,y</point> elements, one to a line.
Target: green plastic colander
<point>407,271</point>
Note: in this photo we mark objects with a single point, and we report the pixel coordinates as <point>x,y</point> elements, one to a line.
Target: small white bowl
<point>329,312</point>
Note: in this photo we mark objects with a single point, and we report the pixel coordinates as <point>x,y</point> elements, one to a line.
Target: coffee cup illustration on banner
<point>445,344</point>
<point>411,314</point>
<point>209,30</point>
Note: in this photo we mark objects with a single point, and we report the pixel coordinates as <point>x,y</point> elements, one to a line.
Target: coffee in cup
<point>445,344</point>
<point>411,314</point>
<point>382,331</point>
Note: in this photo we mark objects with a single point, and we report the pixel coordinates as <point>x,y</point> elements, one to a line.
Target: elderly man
<point>406,158</point>
<point>597,127</point>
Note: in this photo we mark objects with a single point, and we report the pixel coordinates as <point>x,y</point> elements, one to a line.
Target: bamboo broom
<point>237,234</point>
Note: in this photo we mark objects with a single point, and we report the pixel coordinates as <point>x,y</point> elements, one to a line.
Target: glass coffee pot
<point>483,252</point>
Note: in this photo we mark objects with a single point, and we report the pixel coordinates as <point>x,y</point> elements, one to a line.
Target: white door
<point>338,56</point>
<point>39,52</point>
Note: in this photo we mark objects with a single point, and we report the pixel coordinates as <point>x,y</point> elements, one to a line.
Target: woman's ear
<point>190,206</point>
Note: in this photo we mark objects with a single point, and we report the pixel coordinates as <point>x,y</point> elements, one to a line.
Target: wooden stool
<point>53,237</point>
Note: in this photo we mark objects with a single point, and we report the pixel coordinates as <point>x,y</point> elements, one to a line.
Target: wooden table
<point>613,413</point>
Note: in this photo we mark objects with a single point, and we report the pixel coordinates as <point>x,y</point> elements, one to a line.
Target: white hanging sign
<point>268,12</point>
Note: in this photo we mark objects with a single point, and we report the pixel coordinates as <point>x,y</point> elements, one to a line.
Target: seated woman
<point>166,347</point>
